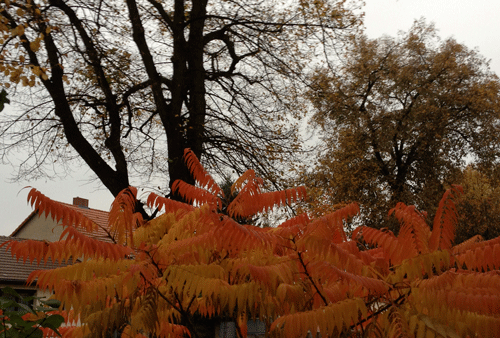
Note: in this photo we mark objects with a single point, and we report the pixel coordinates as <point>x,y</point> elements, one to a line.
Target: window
<point>256,329</point>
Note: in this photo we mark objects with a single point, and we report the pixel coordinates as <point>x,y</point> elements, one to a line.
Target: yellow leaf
<point>421,330</point>
<point>35,45</point>
<point>19,30</point>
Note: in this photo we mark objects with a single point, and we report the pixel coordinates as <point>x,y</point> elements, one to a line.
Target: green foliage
<point>19,320</point>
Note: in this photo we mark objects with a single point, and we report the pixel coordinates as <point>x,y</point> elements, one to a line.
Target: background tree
<point>399,116</point>
<point>130,85</point>
<point>479,207</point>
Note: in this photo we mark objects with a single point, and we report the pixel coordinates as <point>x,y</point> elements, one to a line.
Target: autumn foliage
<point>195,264</point>
<point>398,116</point>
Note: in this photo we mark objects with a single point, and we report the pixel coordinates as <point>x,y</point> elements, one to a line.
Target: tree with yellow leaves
<point>399,117</point>
<point>479,207</point>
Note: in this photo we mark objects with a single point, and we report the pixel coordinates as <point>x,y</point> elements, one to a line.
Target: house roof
<point>99,217</point>
<point>14,271</point>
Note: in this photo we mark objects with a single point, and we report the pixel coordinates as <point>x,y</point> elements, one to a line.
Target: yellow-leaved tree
<point>479,206</point>
<point>398,117</point>
<point>182,273</point>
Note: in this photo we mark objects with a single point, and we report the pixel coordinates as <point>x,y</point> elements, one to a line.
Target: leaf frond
<point>414,233</point>
<point>332,225</point>
<point>58,211</point>
<point>249,180</point>
<point>166,204</point>
<point>393,250</point>
<point>481,256</point>
<point>154,230</point>
<point>196,195</point>
<point>443,230</point>
<point>330,320</point>
<point>330,273</point>
<point>75,246</point>
<point>123,219</point>
<point>398,324</point>
<point>468,244</point>
<point>421,266</point>
<point>200,175</point>
<point>249,202</point>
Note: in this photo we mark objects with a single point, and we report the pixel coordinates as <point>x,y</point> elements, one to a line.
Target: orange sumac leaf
<point>58,211</point>
<point>196,195</point>
<point>414,233</point>
<point>200,174</point>
<point>443,230</point>
<point>168,205</point>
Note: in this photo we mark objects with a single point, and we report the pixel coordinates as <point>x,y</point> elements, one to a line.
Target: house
<point>14,273</point>
<point>255,329</point>
<point>45,228</point>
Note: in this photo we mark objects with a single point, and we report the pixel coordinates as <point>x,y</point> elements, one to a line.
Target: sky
<point>471,22</point>
<point>474,23</point>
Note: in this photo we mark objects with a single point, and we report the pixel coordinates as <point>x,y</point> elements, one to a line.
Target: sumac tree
<point>192,267</point>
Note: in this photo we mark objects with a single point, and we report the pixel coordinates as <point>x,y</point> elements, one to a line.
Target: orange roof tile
<point>16,272</point>
<point>99,217</point>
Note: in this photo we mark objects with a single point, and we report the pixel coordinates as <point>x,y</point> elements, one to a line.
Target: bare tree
<point>127,86</point>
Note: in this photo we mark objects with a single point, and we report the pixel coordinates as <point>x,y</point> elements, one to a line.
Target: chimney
<point>81,202</point>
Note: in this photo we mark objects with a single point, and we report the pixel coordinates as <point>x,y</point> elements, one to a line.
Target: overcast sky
<point>474,23</point>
